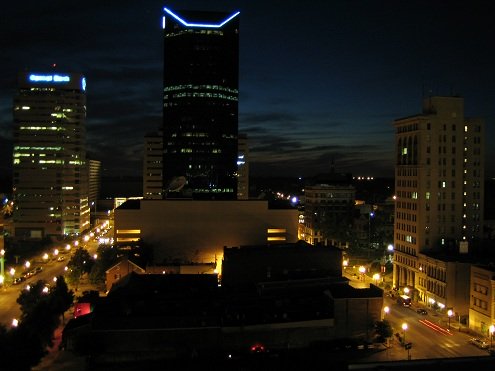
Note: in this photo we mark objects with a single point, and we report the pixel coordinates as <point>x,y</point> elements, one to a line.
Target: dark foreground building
<point>172,318</point>
<point>200,104</point>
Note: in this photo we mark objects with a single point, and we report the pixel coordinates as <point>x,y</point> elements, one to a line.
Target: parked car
<point>18,280</point>
<point>479,343</point>
<point>422,311</point>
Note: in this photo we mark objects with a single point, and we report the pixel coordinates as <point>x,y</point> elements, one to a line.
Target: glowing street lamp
<point>449,314</point>
<point>15,322</point>
<point>2,262</point>
<point>27,264</point>
<point>386,310</point>
<point>362,270</point>
<point>491,329</point>
<point>406,290</point>
<point>404,328</point>
<point>376,277</point>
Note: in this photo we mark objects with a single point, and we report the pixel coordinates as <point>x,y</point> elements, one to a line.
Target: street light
<point>386,310</point>
<point>371,215</point>
<point>404,328</point>
<point>362,270</point>
<point>376,277</point>
<point>449,314</point>
<point>2,262</point>
<point>492,330</point>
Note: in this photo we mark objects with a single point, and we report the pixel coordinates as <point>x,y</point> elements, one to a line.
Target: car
<point>60,259</point>
<point>422,311</point>
<point>18,280</point>
<point>479,343</point>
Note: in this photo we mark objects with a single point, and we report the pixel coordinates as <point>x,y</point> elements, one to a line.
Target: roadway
<point>51,267</point>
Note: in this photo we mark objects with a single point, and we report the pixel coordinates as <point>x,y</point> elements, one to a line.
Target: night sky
<point>320,81</point>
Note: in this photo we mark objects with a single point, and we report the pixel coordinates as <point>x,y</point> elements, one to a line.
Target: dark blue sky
<point>320,81</point>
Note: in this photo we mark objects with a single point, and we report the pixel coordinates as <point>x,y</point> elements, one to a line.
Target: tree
<point>107,257</point>
<point>383,330</point>
<point>29,298</point>
<point>61,298</point>
<point>80,263</point>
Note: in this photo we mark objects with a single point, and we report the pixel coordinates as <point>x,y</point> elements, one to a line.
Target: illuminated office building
<point>200,104</point>
<point>152,166</point>
<point>94,182</point>
<point>439,184</point>
<point>50,180</point>
<point>243,168</point>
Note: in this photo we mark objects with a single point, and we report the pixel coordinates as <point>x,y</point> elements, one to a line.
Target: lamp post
<point>2,261</point>
<point>362,270</point>
<point>404,328</point>
<point>386,310</point>
<point>376,277</point>
<point>449,314</point>
<point>371,215</point>
<point>492,330</point>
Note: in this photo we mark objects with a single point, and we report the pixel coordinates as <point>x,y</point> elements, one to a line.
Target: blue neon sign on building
<point>202,25</point>
<point>49,78</point>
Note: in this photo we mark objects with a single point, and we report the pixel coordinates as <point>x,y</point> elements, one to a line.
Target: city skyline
<point>318,85</point>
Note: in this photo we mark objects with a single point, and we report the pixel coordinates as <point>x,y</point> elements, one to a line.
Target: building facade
<point>439,194</point>
<point>197,231</point>
<point>243,168</point>
<point>326,205</point>
<point>200,104</point>
<point>482,303</point>
<point>152,166</point>
<point>50,180</point>
<point>94,182</point>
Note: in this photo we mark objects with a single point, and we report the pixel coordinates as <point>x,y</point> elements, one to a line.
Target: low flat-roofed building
<point>199,230</point>
<point>482,304</point>
<point>156,317</point>
<point>443,282</point>
<point>254,264</point>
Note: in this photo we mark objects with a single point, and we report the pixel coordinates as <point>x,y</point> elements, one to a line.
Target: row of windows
<point>407,205</point>
<point>477,302</point>
<point>406,228</point>
<point>407,171</point>
<point>192,31</point>
<point>200,87</point>
<point>399,258</point>
<point>437,273</point>
<point>202,95</point>
<point>482,289</point>
<point>407,183</point>
<point>405,216</point>
<point>310,194</point>
<point>407,128</point>
<point>406,237</point>
<point>434,287</point>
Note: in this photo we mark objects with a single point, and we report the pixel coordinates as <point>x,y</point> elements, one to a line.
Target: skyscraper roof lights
<point>203,25</point>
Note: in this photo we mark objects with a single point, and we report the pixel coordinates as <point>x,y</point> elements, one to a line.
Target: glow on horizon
<point>204,25</point>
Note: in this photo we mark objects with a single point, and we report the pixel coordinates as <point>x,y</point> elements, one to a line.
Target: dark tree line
<point>23,346</point>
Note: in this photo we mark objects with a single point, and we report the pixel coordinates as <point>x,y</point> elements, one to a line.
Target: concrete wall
<point>355,317</point>
<point>199,230</point>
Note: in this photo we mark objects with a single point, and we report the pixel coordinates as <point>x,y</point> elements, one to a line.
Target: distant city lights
<point>363,178</point>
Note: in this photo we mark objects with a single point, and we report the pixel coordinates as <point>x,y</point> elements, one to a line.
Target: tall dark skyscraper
<point>200,104</point>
